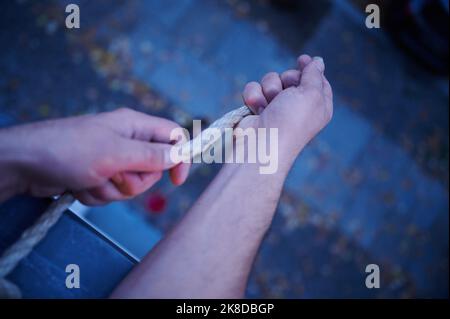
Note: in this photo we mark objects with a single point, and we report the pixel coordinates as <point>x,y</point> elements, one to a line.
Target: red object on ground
<point>156,203</point>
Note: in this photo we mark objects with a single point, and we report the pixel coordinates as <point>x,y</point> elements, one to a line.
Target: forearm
<point>11,158</point>
<point>210,252</point>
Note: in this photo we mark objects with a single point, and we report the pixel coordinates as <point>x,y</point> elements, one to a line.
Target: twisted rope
<point>202,142</point>
<point>29,238</point>
<point>33,235</point>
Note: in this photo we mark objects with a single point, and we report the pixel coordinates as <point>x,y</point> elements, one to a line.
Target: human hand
<point>99,158</point>
<point>298,102</point>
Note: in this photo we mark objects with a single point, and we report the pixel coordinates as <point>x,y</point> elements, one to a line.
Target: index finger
<point>144,127</point>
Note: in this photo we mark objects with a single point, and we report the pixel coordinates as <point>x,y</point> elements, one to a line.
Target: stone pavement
<point>372,188</point>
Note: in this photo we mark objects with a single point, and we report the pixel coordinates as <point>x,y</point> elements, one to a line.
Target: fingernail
<point>184,176</point>
<point>319,62</point>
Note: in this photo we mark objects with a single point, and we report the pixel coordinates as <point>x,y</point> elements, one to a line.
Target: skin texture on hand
<point>299,102</point>
<point>209,253</point>
<point>100,158</point>
<point>119,154</point>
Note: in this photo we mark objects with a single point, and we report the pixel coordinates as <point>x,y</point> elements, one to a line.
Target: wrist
<point>276,157</point>
<point>290,142</point>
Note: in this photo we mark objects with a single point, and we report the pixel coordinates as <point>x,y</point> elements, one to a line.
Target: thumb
<point>145,156</point>
<point>311,78</point>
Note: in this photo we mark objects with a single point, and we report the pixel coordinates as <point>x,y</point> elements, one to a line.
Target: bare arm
<point>210,252</point>
<point>99,158</point>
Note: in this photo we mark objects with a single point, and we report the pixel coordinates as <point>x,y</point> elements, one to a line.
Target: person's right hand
<point>298,102</point>
<point>99,158</point>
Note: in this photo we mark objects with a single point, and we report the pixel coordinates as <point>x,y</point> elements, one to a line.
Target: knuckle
<point>326,116</point>
<point>255,99</point>
<point>250,86</point>
<point>315,94</point>
<point>269,76</point>
<point>132,190</point>
<point>289,73</point>
<point>330,115</point>
<point>290,76</point>
<point>294,93</point>
<point>123,111</point>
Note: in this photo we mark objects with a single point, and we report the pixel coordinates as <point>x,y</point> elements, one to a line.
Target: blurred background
<point>372,188</point>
